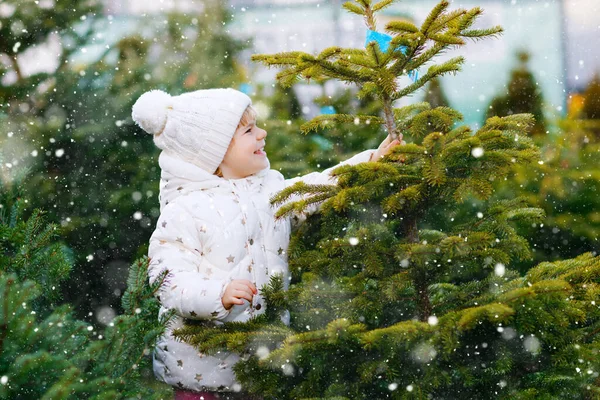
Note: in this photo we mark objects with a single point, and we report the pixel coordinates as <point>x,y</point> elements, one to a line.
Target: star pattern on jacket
<point>208,218</point>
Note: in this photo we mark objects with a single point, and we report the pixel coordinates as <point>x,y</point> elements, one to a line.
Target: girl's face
<point>246,153</point>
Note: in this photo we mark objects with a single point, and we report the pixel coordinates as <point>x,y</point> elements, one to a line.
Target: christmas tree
<point>44,351</point>
<point>384,302</point>
<point>523,95</point>
<point>564,184</point>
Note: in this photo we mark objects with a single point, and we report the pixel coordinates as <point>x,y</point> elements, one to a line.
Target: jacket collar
<point>179,177</point>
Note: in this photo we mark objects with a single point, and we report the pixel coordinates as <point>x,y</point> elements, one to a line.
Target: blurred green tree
<point>434,94</point>
<point>44,351</point>
<point>523,95</point>
<point>564,184</point>
<point>591,105</point>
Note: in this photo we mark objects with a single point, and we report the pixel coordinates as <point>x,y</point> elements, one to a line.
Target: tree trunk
<point>390,123</point>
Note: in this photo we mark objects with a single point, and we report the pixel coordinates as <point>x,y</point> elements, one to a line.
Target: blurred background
<point>70,72</point>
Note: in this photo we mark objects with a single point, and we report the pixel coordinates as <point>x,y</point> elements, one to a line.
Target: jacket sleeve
<point>177,246</point>
<point>323,178</point>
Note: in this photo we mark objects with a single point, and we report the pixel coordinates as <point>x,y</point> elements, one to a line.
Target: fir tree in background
<point>435,96</point>
<point>45,353</point>
<point>27,24</point>
<point>92,169</point>
<point>284,104</point>
<point>590,112</point>
<point>523,95</point>
<point>384,303</point>
<point>565,185</point>
<point>591,105</point>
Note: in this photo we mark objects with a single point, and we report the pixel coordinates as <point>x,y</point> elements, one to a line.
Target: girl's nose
<point>262,134</point>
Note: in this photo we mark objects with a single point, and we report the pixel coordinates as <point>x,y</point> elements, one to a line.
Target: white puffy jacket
<point>212,230</point>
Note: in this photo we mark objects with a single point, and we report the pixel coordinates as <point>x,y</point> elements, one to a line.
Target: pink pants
<point>188,395</point>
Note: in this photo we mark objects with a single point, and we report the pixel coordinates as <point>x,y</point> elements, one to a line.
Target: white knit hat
<point>195,126</point>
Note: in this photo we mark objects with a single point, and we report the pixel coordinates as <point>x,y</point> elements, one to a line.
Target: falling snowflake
<point>477,152</point>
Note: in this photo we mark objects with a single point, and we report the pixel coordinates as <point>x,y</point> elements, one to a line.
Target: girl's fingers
<point>385,142</point>
<point>248,284</point>
<point>252,287</point>
<point>243,294</point>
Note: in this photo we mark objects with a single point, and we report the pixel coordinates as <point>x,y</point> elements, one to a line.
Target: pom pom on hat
<point>150,111</point>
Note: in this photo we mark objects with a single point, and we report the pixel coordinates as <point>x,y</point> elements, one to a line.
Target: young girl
<point>216,234</point>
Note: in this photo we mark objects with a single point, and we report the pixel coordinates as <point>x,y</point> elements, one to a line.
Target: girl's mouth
<point>260,152</point>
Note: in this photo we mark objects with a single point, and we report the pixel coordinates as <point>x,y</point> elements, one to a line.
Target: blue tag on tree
<point>327,110</point>
<point>383,40</point>
<point>246,88</point>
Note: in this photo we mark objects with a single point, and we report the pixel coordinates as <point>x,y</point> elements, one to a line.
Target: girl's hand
<point>237,291</point>
<point>385,147</point>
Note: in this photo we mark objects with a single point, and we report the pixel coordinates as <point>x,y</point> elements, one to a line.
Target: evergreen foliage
<point>375,71</point>
<point>26,24</point>
<point>284,104</point>
<point>523,95</point>
<point>435,95</point>
<point>565,185</point>
<point>46,353</point>
<point>591,106</point>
